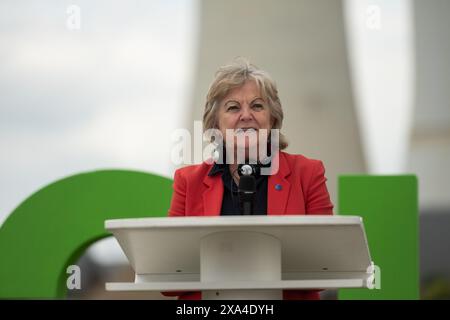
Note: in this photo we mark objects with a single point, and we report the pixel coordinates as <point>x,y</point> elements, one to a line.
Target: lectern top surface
<point>230,221</point>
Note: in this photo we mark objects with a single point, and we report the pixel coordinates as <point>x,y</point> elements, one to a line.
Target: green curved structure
<point>53,227</point>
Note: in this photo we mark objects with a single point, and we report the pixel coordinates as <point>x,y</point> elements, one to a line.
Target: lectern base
<point>240,256</point>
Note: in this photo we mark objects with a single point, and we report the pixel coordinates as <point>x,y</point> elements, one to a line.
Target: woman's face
<point>244,110</point>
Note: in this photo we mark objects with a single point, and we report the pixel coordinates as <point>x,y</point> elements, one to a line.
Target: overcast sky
<point>106,95</point>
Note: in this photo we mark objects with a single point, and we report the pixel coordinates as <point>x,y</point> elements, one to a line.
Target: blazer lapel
<point>278,188</point>
<point>212,197</point>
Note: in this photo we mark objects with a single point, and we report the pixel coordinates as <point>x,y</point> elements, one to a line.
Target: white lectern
<point>244,257</point>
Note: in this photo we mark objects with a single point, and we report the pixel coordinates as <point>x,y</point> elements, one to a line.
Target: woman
<point>242,100</point>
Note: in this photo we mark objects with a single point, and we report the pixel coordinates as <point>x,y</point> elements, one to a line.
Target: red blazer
<point>303,191</point>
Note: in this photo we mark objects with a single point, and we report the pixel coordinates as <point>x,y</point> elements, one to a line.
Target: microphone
<point>249,169</point>
<point>247,189</point>
<point>253,169</point>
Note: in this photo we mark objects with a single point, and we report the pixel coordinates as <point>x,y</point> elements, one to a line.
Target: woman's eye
<point>258,106</point>
<point>232,108</point>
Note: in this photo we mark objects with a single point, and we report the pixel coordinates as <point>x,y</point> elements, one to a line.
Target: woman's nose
<point>246,114</point>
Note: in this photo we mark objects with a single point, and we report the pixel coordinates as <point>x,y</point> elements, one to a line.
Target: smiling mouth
<point>242,130</point>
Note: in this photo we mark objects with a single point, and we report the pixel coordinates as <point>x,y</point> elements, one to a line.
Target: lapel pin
<point>278,187</point>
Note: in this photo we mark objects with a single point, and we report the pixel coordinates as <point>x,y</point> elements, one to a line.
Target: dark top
<point>230,202</point>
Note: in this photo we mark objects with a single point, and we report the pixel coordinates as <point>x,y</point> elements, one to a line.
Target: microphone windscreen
<point>247,184</point>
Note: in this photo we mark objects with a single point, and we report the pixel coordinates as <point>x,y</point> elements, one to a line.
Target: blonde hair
<point>233,76</point>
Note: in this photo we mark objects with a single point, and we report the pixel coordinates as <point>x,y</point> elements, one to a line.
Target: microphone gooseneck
<point>247,190</point>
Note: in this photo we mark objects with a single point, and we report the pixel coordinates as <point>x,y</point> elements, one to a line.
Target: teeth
<point>240,130</point>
